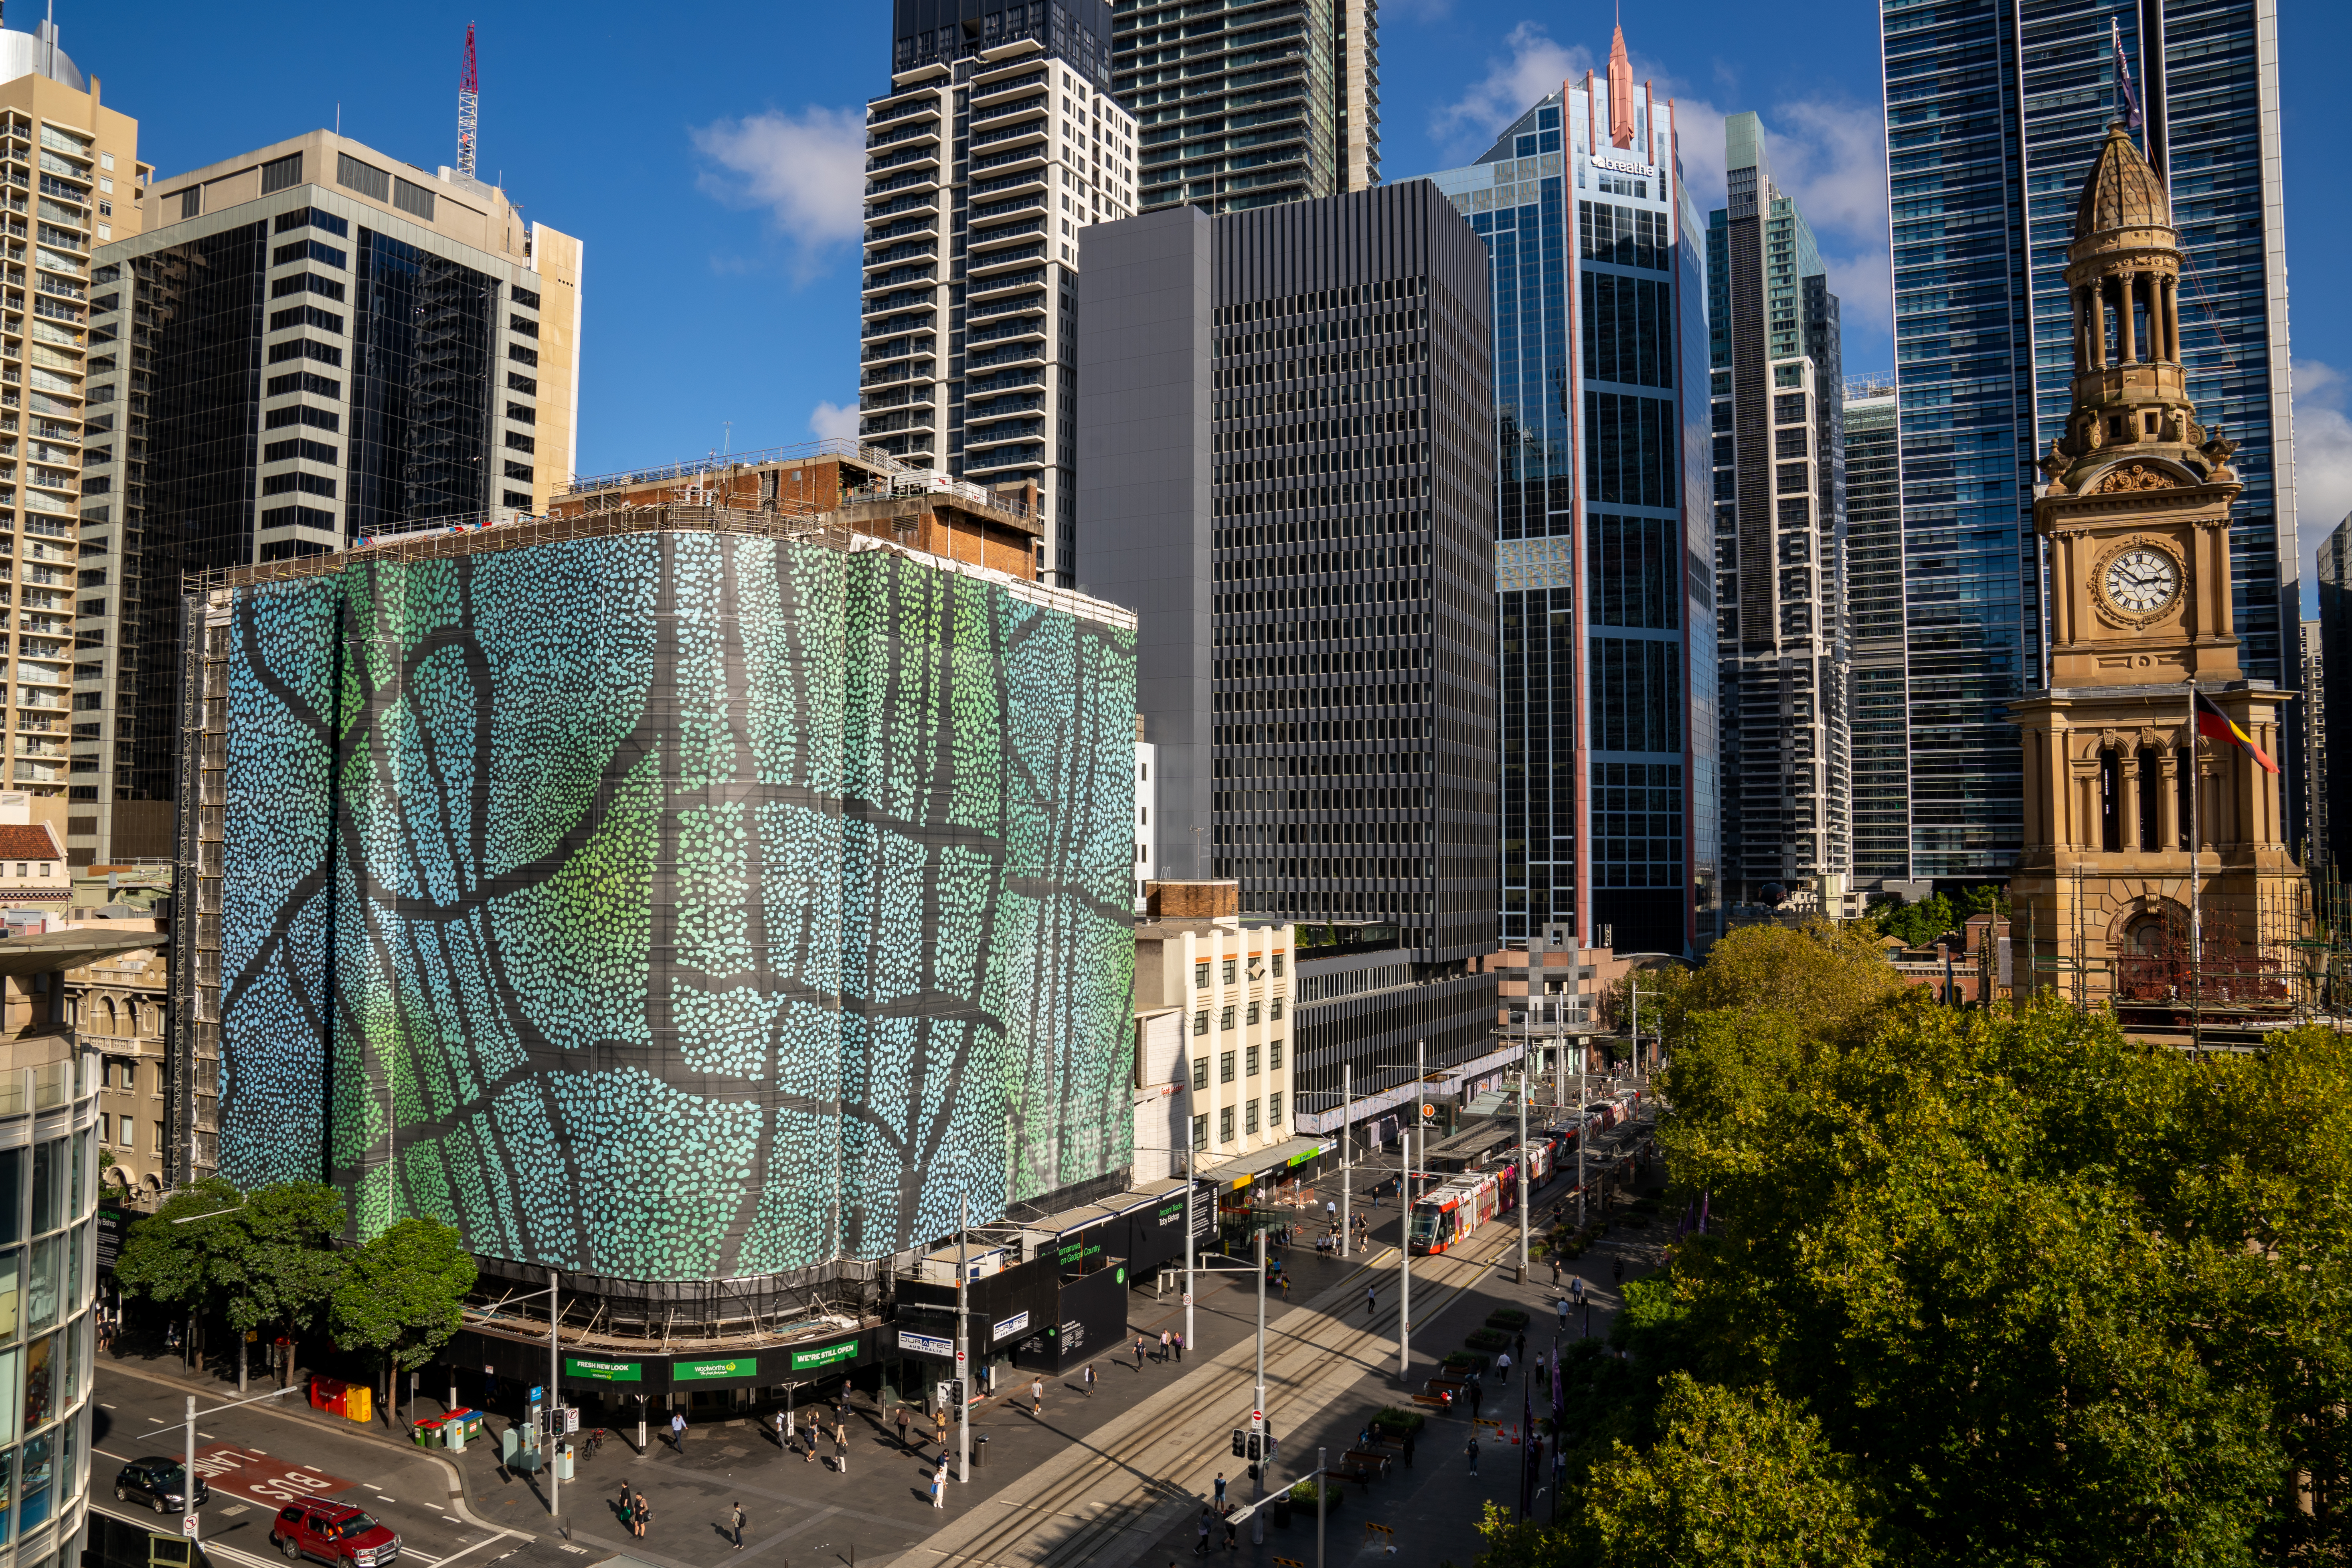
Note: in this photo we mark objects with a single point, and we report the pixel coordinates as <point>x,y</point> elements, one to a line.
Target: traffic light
<point>1238,1449</point>
<point>1256,1447</point>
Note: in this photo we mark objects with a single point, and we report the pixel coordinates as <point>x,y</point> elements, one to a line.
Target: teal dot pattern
<point>674,906</point>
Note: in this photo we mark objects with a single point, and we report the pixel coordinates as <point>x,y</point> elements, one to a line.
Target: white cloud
<point>808,170</point>
<point>830,419</point>
<point>1534,67</point>
<point>1832,158</point>
<point>2323,457</point>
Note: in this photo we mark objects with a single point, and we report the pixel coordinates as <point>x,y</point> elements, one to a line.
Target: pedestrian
<point>939,1431</point>
<point>1371,1300</point>
<point>1576,1289</point>
<point>939,1483</point>
<point>735,1523</point>
<point>645,1514</point>
<point>1473,1451</point>
<point>1232,1528</point>
<point>1037,1396</point>
<point>1503,1368</point>
<point>628,1514</point>
<point>815,1431</point>
<point>678,1432</point>
<point>841,1449</point>
<point>782,1446</point>
<point>1522,1345</point>
<point>1477,1397</point>
<point>1555,1271</point>
<point>1167,1344</point>
<point>1286,1285</point>
<point>1139,1352</point>
<point>1408,1449</point>
<point>1179,1338</point>
<point>1086,1381</point>
<point>902,1427</point>
<point>1201,1548</point>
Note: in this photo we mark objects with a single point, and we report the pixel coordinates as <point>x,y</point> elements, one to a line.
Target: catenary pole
<point>963,1392</point>
<point>1347,1169</point>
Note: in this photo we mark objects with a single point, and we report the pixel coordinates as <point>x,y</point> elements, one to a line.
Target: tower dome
<point>2123,192</point>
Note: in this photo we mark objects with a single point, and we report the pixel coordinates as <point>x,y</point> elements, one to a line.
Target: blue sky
<point>710,157</point>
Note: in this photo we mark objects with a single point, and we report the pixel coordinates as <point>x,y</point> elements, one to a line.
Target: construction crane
<point>469,108</point>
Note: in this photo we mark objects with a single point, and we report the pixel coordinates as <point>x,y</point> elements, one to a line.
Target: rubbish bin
<point>979,1451</point>
<point>427,1433</point>
<point>1282,1511</point>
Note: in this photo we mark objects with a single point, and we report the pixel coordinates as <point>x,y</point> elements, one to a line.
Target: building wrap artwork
<point>673,905</point>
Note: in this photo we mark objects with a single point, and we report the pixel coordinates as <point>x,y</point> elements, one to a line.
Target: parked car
<point>335,1533</point>
<point>156,1482</point>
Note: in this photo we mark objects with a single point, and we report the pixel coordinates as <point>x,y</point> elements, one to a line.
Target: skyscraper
<point>2315,852</point>
<point>2335,658</point>
<point>998,140</point>
<point>1604,605</point>
<point>1995,112</point>
<point>314,343</point>
<point>1285,469</point>
<point>1779,538</point>
<point>74,166</point>
<point>1276,101</point>
<point>1874,619</point>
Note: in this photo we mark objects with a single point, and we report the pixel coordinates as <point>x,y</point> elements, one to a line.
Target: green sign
<point>704,1371</point>
<point>605,1370</point>
<point>1302,1159</point>
<point>824,1356</point>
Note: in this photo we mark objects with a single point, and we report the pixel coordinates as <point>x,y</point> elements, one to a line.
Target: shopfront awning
<point>1245,1168</point>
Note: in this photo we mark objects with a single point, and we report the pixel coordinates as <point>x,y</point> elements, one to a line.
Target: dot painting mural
<point>674,906</point>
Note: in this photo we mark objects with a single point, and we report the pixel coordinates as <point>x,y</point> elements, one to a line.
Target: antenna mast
<point>469,108</point>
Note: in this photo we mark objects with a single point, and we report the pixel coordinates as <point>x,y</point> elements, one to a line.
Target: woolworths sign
<point>712,1370</point>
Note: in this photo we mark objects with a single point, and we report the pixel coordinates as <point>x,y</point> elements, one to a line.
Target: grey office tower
<point>1607,623</point>
<point>1285,467</point>
<point>1995,111</point>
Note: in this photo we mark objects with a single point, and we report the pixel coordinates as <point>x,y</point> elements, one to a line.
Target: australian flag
<point>2126,99</point>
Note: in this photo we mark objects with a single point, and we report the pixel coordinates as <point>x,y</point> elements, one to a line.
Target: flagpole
<point>2196,892</point>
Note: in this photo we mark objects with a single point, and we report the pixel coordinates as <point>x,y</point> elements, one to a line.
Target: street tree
<point>401,1293</point>
<point>285,1273</point>
<point>181,1255</point>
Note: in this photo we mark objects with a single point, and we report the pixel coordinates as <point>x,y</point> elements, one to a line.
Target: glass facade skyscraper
<point>1873,612</point>
<point>1603,583</point>
<point>1995,111</point>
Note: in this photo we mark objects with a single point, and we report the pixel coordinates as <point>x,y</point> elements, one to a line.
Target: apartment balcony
<point>992,262</point>
<point>987,240</point>
<point>1013,136</point>
<point>1030,157</point>
<point>995,112</point>
<point>1029,330</point>
<point>1030,177</point>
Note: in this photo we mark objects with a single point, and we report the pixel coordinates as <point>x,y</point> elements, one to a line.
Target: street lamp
<point>188,1469</point>
<point>554,1379</point>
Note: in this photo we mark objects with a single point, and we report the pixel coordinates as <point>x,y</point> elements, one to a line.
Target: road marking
<point>486,1541</point>
<point>257,1478</point>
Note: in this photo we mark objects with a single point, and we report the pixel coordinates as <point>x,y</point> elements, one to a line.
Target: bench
<point>1431,1401</point>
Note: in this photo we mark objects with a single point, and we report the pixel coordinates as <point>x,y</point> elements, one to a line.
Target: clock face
<point>2141,582</point>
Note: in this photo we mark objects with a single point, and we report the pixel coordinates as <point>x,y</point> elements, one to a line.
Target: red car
<point>335,1533</point>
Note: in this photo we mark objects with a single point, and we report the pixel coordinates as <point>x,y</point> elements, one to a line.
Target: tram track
<point>1292,1360</point>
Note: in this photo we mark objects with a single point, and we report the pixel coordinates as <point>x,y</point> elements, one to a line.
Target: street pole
<point>1265,1425</point>
<point>1322,1478</point>
<point>2196,896</point>
<point>1191,1192</point>
<point>554,1394</point>
<point>1523,1171</point>
<point>188,1457</point>
<point>1347,1132</point>
<point>1404,1220</point>
<point>1579,1135</point>
<point>963,1394</point>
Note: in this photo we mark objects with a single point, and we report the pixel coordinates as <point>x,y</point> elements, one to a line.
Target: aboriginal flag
<point>2216,725</point>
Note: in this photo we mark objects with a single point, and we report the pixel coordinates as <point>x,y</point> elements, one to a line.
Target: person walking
<point>1086,1381</point>
<point>1037,1396</point>
<point>627,1512</point>
<point>1473,1451</point>
<point>1179,1338</point>
<point>1522,1346</point>
<point>1477,1397</point>
<point>815,1432</point>
<point>1139,1352</point>
<point>939,1483</point>
<point>641,1516</point>
<point>1555,1271</point>
<point>1371,1300</point>
<point>1167,1344</point>
<point>678,1432</point>
<point>782,1446</point>
<point>1201,1548</point>
<point>1503,1368</point>
<point>1408,1449</point>
<point>939,1431</point>
<point>902,1427</point>
<point>735,1524</point>
<point>841,1447</point>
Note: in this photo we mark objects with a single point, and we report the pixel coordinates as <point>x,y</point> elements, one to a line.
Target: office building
<point>75,179</point>
<point>2334,699</point>
<point>1995,114</point>
<point>784,930</point>
<point>1779,540</point>
<point>1213,1022</point>
<point>1876,696</point>
<point>311,343</point>
<point>1604,599</point>
<point>998,141</point>
<point>1285,469</point>
<point>1276,100</point>
<point>2316,851</point>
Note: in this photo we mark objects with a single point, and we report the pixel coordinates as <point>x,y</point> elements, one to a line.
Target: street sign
<point>570,1418</point>
<point>536,1390</point>
<point>188,1525</point>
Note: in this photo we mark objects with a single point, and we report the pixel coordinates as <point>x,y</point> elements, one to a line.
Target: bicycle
<point>591,1441</point>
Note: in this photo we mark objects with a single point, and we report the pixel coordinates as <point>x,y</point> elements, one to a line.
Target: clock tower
<point>2134,520</point>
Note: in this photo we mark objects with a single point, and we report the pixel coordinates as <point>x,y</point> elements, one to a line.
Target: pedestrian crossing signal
<point>1238,1449</point>
<point>1256,1447</point>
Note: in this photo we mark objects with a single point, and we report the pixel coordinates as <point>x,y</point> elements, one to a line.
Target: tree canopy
<point>401,1292</point>
<point>1978,1287</point>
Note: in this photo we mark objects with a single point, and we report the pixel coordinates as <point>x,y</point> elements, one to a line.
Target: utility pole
<point>554,1392</point>
<point>1404,1220</point>
<point>1265,1425</point>
<point>1347,1132</point>
<point>1191,1190</point>
<point>963,1393</point>
<point>188,1454</point>
<point>1524,1087</point>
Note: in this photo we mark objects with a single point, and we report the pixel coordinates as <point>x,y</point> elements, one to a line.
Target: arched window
<point>106,1016</point>
<point>2111,801</point>
<point>2152,800</point>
